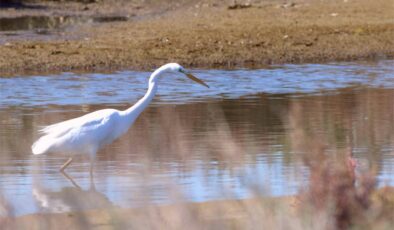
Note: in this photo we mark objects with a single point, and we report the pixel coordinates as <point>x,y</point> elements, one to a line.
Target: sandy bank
<point>208,34</point>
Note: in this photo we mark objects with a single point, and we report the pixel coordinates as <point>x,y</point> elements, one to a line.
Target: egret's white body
<point>88,133</point>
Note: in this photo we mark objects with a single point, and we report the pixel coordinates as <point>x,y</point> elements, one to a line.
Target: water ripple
<point>129,86</point>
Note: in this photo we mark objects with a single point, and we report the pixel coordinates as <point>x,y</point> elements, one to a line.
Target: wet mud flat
<point>197,34</point>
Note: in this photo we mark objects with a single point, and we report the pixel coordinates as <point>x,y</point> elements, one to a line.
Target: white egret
<point>88,133</point>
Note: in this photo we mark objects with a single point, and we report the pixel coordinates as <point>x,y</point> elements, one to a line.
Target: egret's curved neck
<point>135,110</point>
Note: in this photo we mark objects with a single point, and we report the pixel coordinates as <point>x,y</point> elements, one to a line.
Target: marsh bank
<point>198,34</point>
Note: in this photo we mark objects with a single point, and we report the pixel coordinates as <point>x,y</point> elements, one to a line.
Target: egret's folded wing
<point>58,127</point>
<point>86,120</point>
<point>60,132</point>
<point>57,133</point>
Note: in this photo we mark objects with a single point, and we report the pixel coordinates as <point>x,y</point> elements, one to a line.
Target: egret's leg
<point>91,166</point>
<point>92,157</point>
<point>70,179</point>
<point>92,186</point>
<point>66,164</point>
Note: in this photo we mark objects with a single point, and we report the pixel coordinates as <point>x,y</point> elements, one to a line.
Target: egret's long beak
<point>199,81</point>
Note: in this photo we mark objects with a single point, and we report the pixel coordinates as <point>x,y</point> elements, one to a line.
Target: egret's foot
<point>66,164</point>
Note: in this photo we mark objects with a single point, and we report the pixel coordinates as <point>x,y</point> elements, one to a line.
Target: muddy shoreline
<point>234,214</point>
<point>204,34</point>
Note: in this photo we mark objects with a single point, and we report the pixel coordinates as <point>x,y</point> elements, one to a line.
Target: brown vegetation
<point>207,34</point>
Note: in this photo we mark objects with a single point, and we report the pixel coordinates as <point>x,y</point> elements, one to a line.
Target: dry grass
<point>207,34</point>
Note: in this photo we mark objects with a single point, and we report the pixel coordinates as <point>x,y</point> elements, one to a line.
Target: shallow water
<point>236,139</point>
<point>47,27</point>
<point>51,22</point>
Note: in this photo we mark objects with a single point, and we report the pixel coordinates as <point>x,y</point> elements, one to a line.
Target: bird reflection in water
<point>72,198</point>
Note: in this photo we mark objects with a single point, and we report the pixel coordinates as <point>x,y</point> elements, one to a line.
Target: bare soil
<point>203,34</point>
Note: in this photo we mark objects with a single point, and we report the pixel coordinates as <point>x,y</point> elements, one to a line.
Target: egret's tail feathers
<point>43,145</point>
